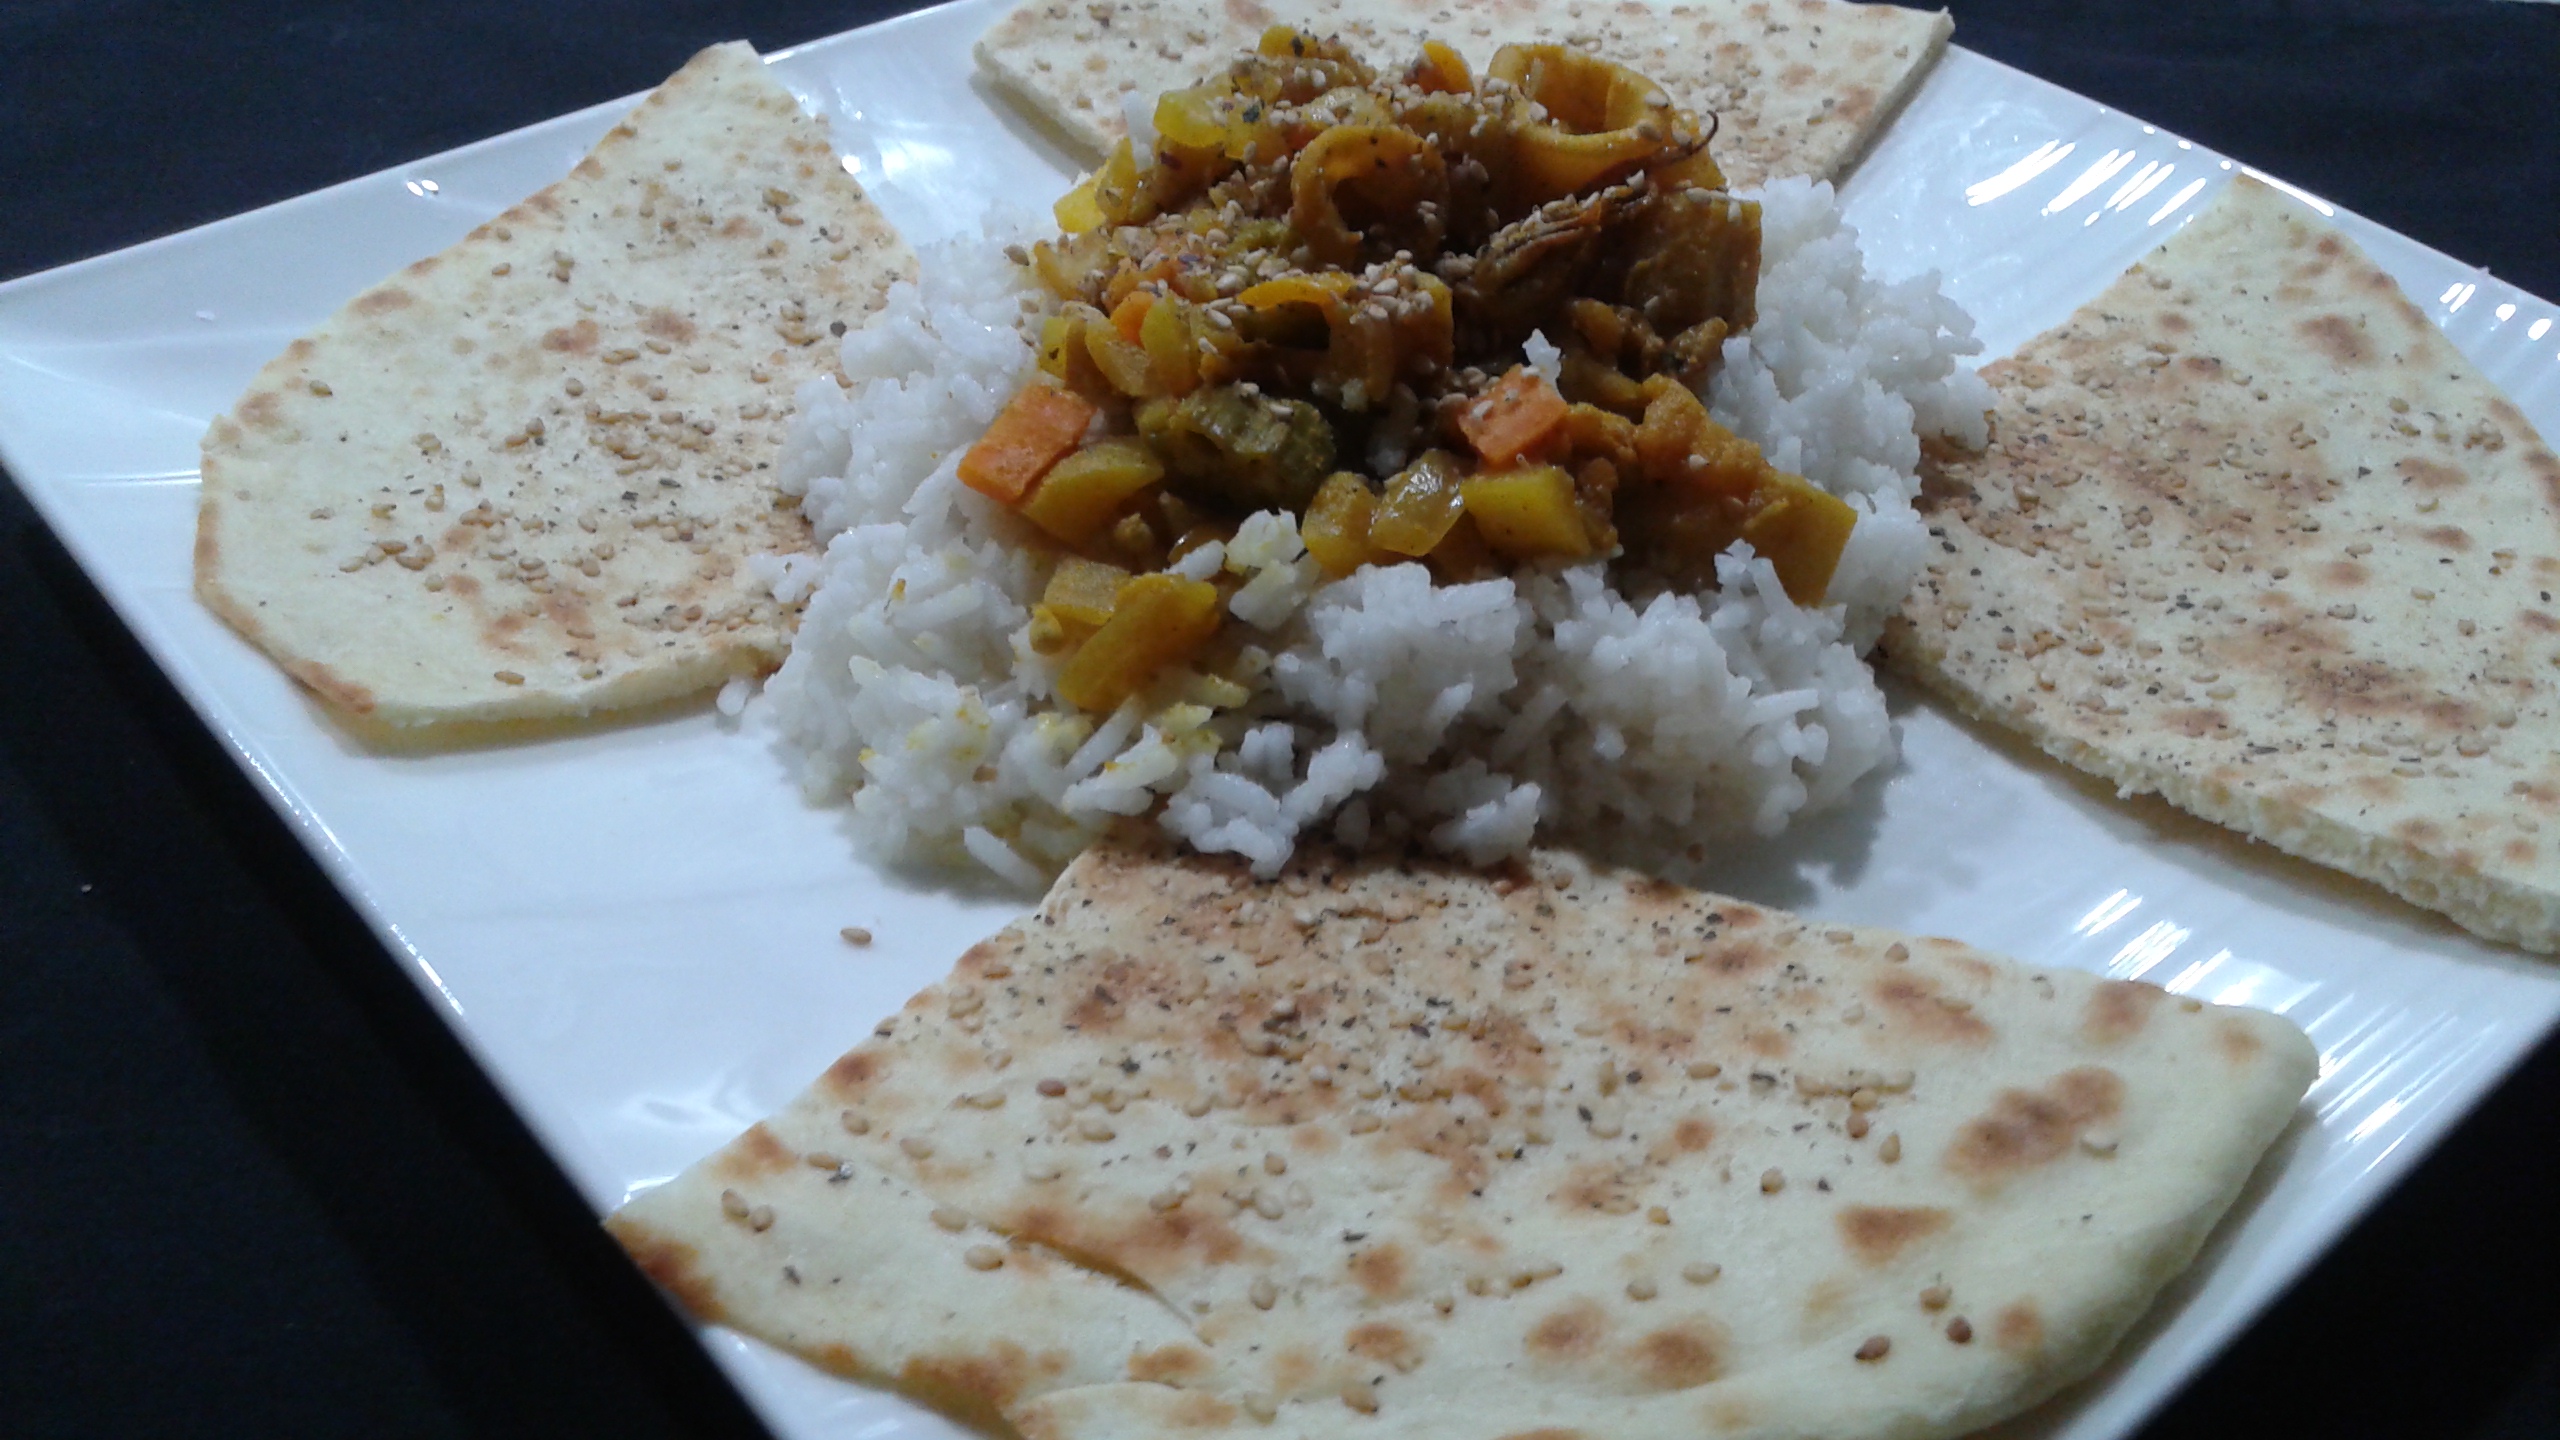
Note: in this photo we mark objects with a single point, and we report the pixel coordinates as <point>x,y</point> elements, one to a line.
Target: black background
<point>249,1184</point>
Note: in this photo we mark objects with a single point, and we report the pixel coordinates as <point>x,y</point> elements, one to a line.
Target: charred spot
<point>2342,573</point>
<point>1878,1233</point>
<point>2451,537</point>
<point>2018,1328</point>
<point>2027,1128</point>
<point>1381,1271</point>
<point>1200,1410</point>
<point>2519,852</point>
<point>2175,322</point>
<point>1767,1041</point>
<point>261,410</point>
<point>2537,620</point>
<point>1693,1134</point>
<point>1572,1332</point>
<point>2118,1010</point>
<point>1388,1344</point>
<point>1913,1000</point>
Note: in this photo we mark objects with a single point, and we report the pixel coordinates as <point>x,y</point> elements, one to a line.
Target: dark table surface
<point>248,1182</point>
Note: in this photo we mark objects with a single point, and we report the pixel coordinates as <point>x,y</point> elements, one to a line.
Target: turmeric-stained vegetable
<point>1229,447</point>
<point>1173,342</point>
<point>1122,362</point>
<point>1604,120</point>
<point>1129,317</point>
<point>1156,621</point>
<point>1084,591</point>
<point>1077,211</point>
<point>1706,487</point>
<point>1086,491</point>
<point>1802,529</point>
<point>1527,513</point>
<point>1421,505</point>
<point>1039,425</point>
<point>1336,527</point>
<point>1358,182</point>
<point>1440,71</point>
<point>1462,556</point>
<point>1520,411</point>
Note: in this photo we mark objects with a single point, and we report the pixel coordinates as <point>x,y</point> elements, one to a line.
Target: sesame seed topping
<point>1875,1348</point>
<point>1772,1180</point>
<point>983,1257</point>
<point>855,935</point>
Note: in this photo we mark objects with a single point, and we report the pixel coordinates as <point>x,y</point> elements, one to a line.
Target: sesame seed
<point>823,1160</point>
<point>983,1257</point>
<point>1701,1272</point>
<point>1263,1293</point>
<point>1641,1289</point>
<point>1875,1348</point>
<point>855,935</point>
<point>1095,1129</point>
<point>950,1219</point>
<point>1891,1150</point>
<point>1935,1297</point>
<point>1275,1164</point>
<point>855,1123</point>
<point>1772,1180</point>
<point>1960,1330</point>
<point>733,1205</point>
<point>917,1147</point>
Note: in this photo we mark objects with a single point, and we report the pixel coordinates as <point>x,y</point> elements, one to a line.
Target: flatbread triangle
<point>1427,1152</point>
<point>1799,86</point>
<point>522,478</point>
<point>2253,535</point>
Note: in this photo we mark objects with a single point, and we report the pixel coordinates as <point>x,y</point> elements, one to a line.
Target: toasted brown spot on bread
<point>384,300</point>
<point>2338,338</point>
<point>2027,1128</point>
<point>672,1264</point>
<point>2237,1041</point>
<point>1680,1356</point>
<point>2428,474</point>
<point>1200,1410</point>
<point>1382,1271</point>
<point>578,339</point>
<point>1914,1003</point>
<point>2451,537</point>
<point>755,1154</point>
<point>1877,1233</point>
<point>2118,1010</point>
<point>667,325</point>
<point>2018,1328</point>
<point>1572,1332</point>
<point>1388,1344</point>
<point>857,1069</point>
<point>1170,1364</point>
<point>973,1388</point>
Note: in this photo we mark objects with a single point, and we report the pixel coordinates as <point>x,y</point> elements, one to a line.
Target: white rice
<point>1474,717</point>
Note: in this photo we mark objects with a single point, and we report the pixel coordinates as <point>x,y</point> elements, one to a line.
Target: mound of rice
<point>1473,717</point>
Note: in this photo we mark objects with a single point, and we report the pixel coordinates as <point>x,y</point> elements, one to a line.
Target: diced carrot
<point>1129,317</point>
<point>1039,427</point>
<point>1521,410</point>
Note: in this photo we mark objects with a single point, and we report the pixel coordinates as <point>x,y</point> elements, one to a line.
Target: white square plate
<point>634,929</point>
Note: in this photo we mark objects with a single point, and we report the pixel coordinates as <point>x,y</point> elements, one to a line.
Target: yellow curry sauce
<point>1321,274</point>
